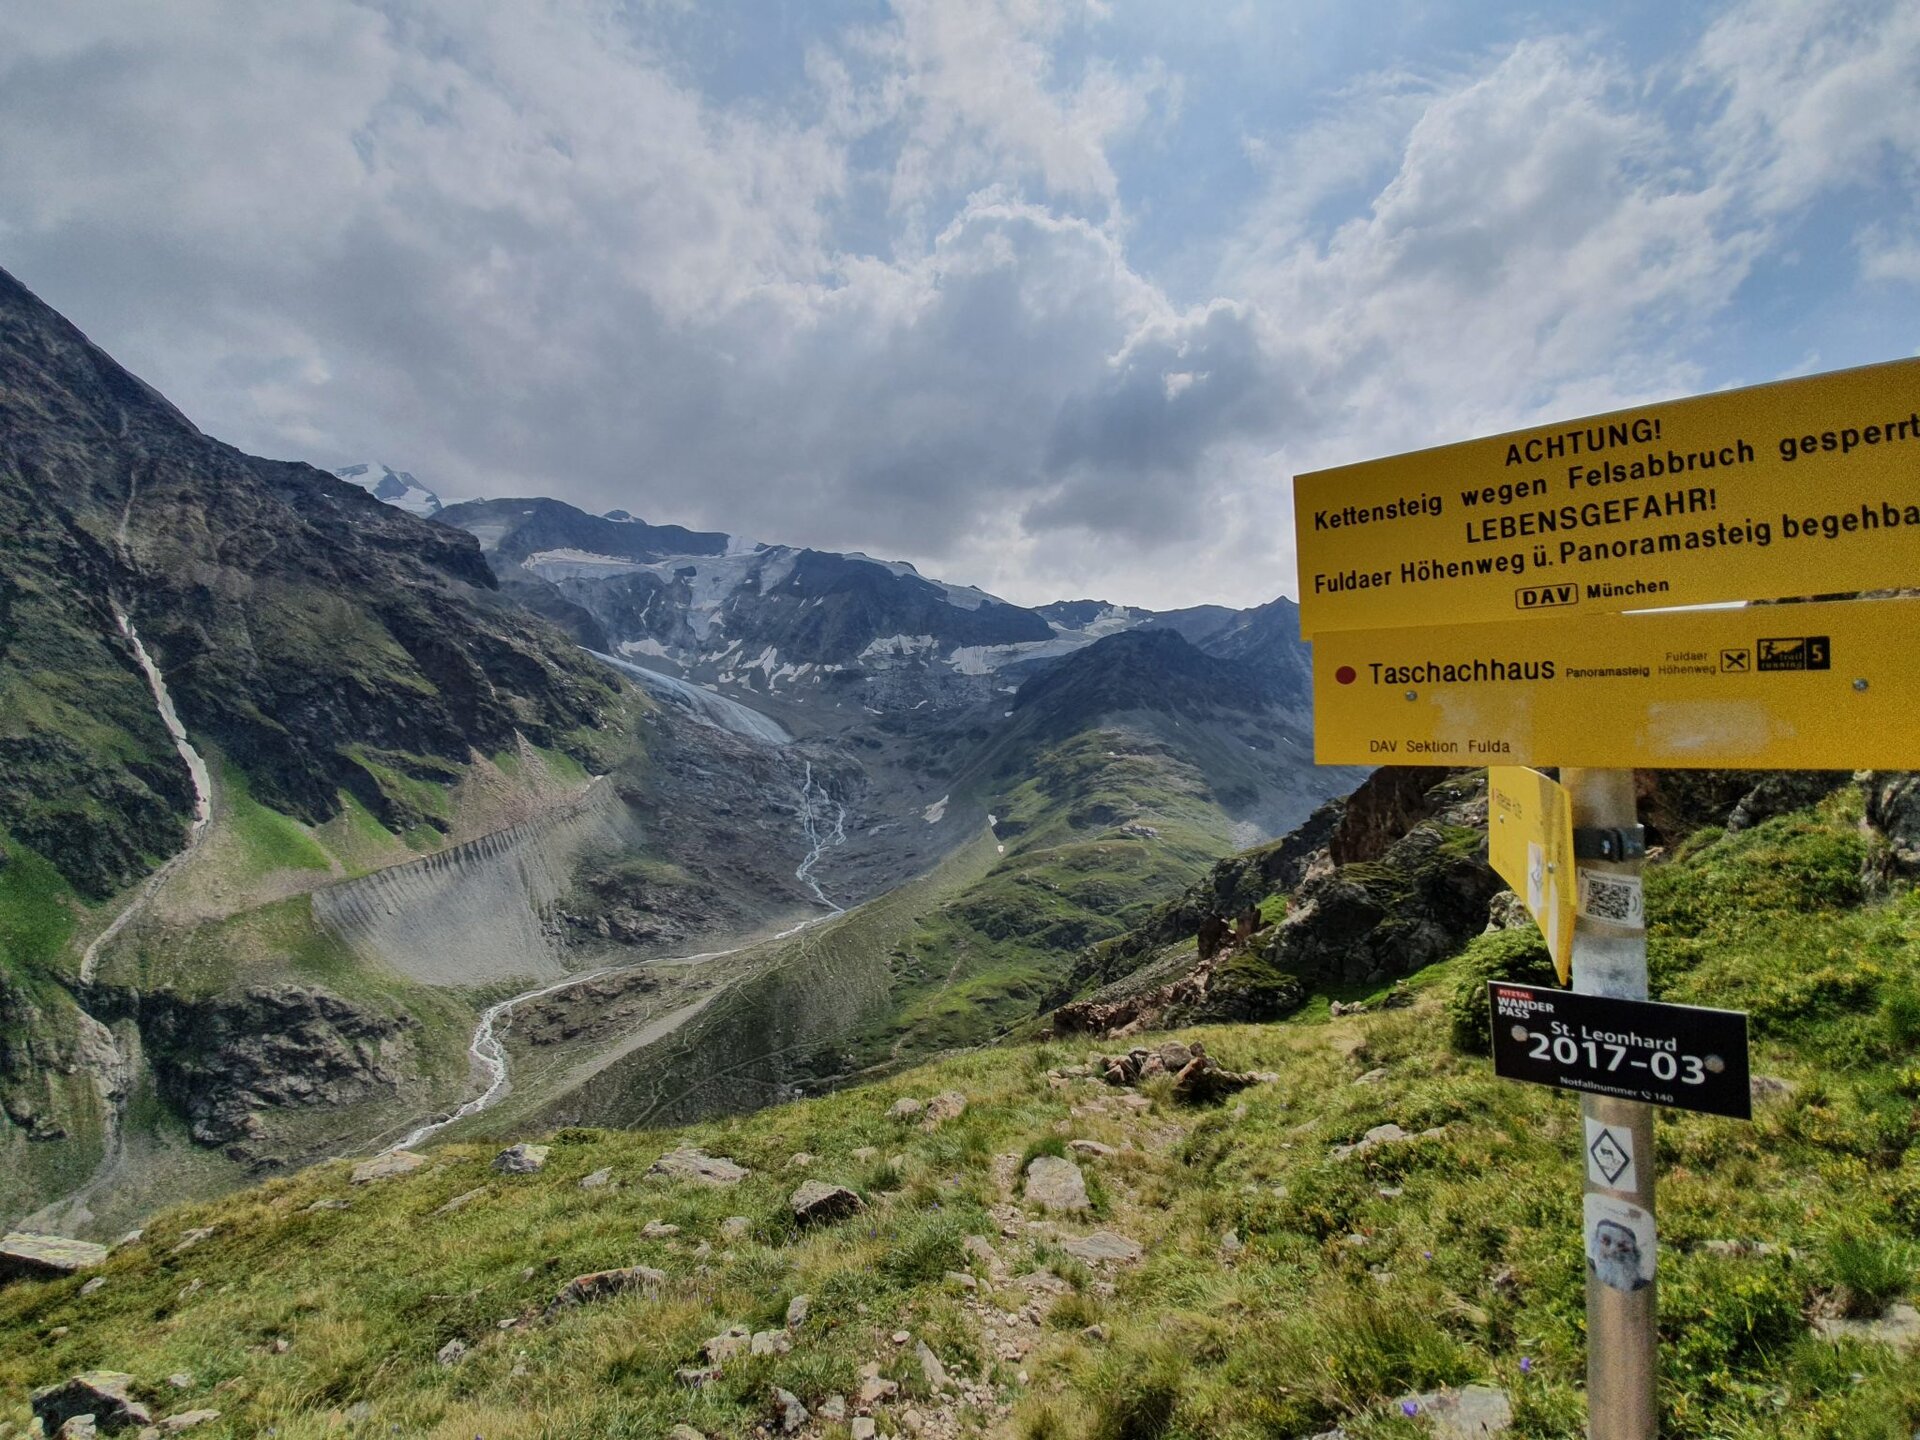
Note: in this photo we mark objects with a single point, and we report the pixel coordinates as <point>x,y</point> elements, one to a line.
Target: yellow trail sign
<point>1833,686</point>
<point>1774,491</point>
<point>1530,846</point>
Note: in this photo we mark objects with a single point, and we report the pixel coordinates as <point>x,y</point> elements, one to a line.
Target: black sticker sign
<point>1683,1056</point>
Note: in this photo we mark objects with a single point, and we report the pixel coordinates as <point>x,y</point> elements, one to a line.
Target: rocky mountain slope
<point>845,634</point>
<point>225,681</point>
<point>316,832</point>
<point>1373,887</point>
<point>1366,1230</point>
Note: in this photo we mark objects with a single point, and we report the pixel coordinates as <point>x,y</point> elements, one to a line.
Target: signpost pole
<point>1610,959</point>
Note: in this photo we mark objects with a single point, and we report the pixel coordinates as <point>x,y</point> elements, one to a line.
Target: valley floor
<point>1291,1275</point>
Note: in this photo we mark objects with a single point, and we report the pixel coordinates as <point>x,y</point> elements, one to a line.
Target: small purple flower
<point>1409,1408</point>
<point>1526,1364</point>
<point>1426,1254</point>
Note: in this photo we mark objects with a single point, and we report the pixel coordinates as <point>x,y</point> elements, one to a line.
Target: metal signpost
<point>1532,548</point>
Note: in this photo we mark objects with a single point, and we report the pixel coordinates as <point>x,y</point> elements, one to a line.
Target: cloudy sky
<point>1048,297</point>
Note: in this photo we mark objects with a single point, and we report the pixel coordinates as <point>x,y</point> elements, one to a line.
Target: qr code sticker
<point>1615,899</point>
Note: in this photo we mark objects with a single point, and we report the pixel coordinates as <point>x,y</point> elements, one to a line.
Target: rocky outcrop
<point>106,1395</point>
<point>227,1062</point>
<point>1893,809</point>
<point>1423,896</point>
<point>818,1203</point>
<point>1363,924</point>
<point>1388,804</point>
<point>46,1257</point>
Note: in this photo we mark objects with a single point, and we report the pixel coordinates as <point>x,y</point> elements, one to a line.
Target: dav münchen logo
<point>1544,597</point>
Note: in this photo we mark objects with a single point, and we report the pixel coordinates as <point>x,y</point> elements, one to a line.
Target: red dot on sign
<point>1346,675</point>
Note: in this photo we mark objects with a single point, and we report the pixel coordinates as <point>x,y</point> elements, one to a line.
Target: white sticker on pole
<point>1620,1243</point>
<point>1610,1155</point>
<point>1616,899</point>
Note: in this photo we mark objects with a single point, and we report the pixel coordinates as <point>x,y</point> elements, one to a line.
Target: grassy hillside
<point>1285,1287</point>
<point>1109,823</point>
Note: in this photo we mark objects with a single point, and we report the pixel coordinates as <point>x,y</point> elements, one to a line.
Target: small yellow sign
<point>1831,686</point>
<point>1530,845</point>
<point>1774,491</point>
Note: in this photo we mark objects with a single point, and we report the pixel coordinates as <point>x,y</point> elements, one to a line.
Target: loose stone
<point>389,1166</point>
<point>522,1159</point>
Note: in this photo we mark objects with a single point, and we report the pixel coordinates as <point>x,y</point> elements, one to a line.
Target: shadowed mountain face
<point>321,639</point>
<point>1161,670</point>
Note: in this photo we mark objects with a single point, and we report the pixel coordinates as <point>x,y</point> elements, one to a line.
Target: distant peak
<point>398,488</point>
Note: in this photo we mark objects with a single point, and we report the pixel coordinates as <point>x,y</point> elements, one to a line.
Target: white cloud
<point>514,246</point>
<point>973,84</point>
<point>1816,98</point>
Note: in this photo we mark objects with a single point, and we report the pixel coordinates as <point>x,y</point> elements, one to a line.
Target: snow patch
<point>937,811</point>
<point>580,557</point>
<point>899,647</point>
<point>648,646</point>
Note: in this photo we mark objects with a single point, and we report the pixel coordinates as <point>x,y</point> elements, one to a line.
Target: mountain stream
<point>823,831</point>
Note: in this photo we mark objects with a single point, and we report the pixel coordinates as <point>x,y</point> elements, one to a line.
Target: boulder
<point>687,1163</point>
<point>605,1285</point>
<point>729,1344</point>
<point>862,1428</point>
<point>80,1427</point>
<point>659,1230</point>
<point>798,1309</point>
<point>187,1420</point>
<point>46,1257</point>
<point>522,1159</point>
<point>770,1342</point>
<point>905,1108</point>
<point>103,1394</point>
<point>788,1413</point>
<point>596,1179</point>
<point>1470,1413</point>
<point>389,1166</point>
<point>875,1388</point>
<point>461,1201</point>
<point>452,1353</point>
<point>684,1432</point>
<point>930,1366</point>
<point>947,1105</point>
<point>1203,1080</point>
<point>816,1202</point>
<point>1093,1149</point>
<point>1899,1327</point>
<point>736,1227</point>
<point>1381,1135</point>
<point>1103,1247</point>
<point>1056,1185</point>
